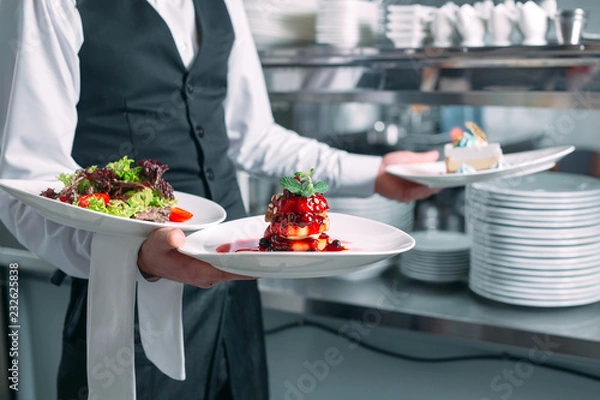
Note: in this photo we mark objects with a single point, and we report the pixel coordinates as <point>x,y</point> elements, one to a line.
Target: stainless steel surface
<point>554,76</point>
<point>569,25</point>
<point>11,251</point>
<point>7,239</point>
<point>27,261</point>
<point>448,310</point>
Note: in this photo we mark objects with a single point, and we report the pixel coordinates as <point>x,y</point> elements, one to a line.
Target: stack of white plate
<point>408,26</point>
<point>438,256</point>
<point>378,208</point>
<point>347,23</point>
<point>536,239</point>
<point>282,22</point>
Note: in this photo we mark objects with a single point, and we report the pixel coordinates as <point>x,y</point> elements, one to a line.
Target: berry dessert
<point>470,151</point>
<point>122,190</point>
<point>298,217</point>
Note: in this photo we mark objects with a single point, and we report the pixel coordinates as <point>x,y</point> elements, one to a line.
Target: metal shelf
<point>546,76</point>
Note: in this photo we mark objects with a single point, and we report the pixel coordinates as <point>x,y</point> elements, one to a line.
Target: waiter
<point>89,81</point>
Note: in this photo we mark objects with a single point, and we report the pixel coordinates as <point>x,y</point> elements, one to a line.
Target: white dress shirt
<point>39,91</point>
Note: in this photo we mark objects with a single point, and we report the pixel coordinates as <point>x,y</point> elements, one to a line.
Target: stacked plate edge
<point>438,256</point>
<point>378,208</point>
<point>408,26</point>
<point>536,239</point>
<point>346,23</point>
<point>281,22</point>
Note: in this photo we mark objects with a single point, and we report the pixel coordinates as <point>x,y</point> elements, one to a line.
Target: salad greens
<point>121,188</point>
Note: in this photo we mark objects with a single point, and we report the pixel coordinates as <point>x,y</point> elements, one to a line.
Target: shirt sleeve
<point>39,91</point>
<point>261,147</point>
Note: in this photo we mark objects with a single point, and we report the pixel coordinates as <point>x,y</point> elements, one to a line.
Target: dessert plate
<point>523,163</point>
<point>367,242</point>
<point>206,212</point>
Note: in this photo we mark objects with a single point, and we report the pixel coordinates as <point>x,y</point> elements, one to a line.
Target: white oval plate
<point>545,256</point>
<point>434,278</point>
<point>516,272</point>
<point>540,233</point>
<point>524,163</point>
<point>533,203</point>
<point>591,221</point>
<point>533,241</point>
<point>434,270</point>
<point>536,263</point>
<point>206,213</point>
<point>550,186</point>
<point>367,242</point>
<point>444,242</point>
<point>535,293</point>
<point>511,212</point>
<point>436,261</point>
<point>532,302</point>
<point>532,250</point>
<point>560,283</point>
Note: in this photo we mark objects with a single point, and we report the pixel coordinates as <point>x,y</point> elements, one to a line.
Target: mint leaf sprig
<point>301,184</point>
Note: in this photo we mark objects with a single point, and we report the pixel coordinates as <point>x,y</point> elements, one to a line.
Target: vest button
<point>200,131</point>
<point>210,174</point>
<point>189,88</point>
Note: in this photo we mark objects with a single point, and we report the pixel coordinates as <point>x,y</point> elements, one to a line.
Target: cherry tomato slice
<point>179,215</point>
<point>84,201</point>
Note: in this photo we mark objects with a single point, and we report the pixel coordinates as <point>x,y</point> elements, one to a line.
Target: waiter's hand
<point>400,189</point>
<point>158,256</point>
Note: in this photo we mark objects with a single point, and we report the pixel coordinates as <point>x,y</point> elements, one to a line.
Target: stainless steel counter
<point>446,310</point>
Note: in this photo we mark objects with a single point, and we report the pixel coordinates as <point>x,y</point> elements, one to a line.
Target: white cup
<point>443,25</point>
<point>533,23</point>
<point>502,23</point>
<point>471,26</point>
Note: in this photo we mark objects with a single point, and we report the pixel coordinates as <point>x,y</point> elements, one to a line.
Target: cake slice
<point>470,151</point>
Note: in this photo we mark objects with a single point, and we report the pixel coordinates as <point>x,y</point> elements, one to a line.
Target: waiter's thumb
<point>168,238</point>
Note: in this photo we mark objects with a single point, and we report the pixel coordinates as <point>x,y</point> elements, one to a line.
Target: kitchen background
<point>297,355</point>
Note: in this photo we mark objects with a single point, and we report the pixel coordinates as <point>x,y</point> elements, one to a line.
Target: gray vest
<point>138,99</point>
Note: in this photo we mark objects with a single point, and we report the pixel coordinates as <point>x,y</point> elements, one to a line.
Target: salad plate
<point>518,164</point>
<point>206,212</point>
<point>366,242</point>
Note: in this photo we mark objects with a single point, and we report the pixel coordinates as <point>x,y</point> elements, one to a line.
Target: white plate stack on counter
<point>281,22</point>
<point>347,23</point>
<point>408,26</point>
<point>536,239</point>
<point>438,256</point>
<point>378,208</point>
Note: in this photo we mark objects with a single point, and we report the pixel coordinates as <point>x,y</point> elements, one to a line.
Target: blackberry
<point>264,243</point>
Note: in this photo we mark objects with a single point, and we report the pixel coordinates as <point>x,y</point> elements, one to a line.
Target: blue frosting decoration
<point>465,169</point>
